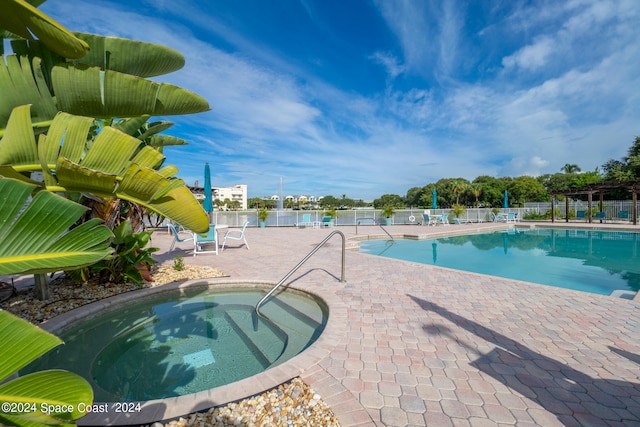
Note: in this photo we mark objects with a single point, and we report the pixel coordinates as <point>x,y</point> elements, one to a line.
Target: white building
<point>236,193</point>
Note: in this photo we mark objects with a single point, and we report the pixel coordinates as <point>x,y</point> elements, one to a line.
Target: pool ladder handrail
<point>299,264</point>
<point>374,222</point>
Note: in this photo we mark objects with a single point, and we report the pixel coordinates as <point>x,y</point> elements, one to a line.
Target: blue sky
<point>365,98</point>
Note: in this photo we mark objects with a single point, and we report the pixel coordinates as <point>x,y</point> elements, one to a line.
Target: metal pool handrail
<point>374,222</point>
<point>294,269</point>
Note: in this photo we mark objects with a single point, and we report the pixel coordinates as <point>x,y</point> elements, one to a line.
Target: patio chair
<point>581,215</point>
<point>327,221</point>
<point>428,219</point>
<point>235,234</point>
<point>306,220</point>
<point>499,217</point>
<point>602,216</point>
<point>200,242</point>
<point>623,216</point>
<point>176,235</point>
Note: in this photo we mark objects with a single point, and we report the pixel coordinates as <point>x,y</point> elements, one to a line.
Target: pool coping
<point>168,408</point>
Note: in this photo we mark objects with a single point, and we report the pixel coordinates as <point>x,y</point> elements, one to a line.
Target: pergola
<point>600,189</point>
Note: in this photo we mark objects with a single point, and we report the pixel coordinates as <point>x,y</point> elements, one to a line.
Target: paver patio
<point>427,345</point>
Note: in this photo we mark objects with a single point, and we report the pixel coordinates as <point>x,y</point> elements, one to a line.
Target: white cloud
<point>531,57</point>
<point>389,62</point>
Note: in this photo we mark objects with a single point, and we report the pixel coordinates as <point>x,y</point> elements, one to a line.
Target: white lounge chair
<point>235,234</point>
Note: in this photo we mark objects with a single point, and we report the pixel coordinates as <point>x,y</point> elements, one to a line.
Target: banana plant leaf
<point>84,90</point>
<point>21,83</point>
<point>112,165</point>
<point>130,56</point>
<point>35,235</point>
<point>22,343</point>
<point>21,18</point>
<point>148,132</point>
<point>81,89</point>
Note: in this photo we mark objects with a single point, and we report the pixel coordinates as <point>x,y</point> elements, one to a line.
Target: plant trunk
<point>41,287</point>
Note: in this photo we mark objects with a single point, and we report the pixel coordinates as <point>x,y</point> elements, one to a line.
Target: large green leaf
<point>22,343</point>
<point>113,165</point>
<point>148,132</point>
<point>84,90</point>
<point>130,56</point>
<point>90,91</point>
<point>37,239</point>
<point>22,19</point>
<point>24,83</point>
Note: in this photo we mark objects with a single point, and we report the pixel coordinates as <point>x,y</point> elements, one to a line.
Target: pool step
<point>304,328</point>
<point>267,342</point>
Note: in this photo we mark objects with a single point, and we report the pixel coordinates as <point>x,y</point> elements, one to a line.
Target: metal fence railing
<point>611,208</point>
<point>290,218</point>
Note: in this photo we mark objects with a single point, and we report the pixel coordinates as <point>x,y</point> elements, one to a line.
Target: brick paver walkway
<point>422,345</point>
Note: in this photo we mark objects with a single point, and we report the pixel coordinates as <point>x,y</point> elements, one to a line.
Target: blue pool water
<point>585,260</point>
<point>170,345</point>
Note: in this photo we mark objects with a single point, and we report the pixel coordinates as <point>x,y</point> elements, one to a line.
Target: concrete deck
<point>426,345</point>
<point>413,345</point>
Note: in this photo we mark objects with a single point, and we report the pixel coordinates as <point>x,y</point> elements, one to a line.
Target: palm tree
<point>570,168</point>
<point>458,187</point>
<point>476,190</point>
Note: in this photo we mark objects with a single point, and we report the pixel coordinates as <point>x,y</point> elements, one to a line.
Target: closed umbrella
<point>434,202</point>
<point>506,200</point>
<point>208,201</point>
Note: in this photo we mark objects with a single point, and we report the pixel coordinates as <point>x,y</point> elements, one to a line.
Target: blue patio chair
<point>623,216</point>
<point>602,216</point>
<point>327,221</point>
<point>581,215</point>
<point>201,241</point>
<point>428,219</point>
<point>236,234</point>
<point>306,220</point>
<point>177,238</point>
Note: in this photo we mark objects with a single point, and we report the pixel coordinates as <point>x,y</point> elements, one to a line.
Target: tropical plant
<point>458,210</point>
<point>331,213</point>
<point>131,260</point>
<point>108,163</point>
<point>263,213</point>
<point>50,397</point>
<point>35,235</point>
<point>95,76</point>
<point>178,263</point>
<point>36,239</point>
<point>388,211</point>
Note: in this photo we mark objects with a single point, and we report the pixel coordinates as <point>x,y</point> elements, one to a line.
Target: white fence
<point>289,218</point>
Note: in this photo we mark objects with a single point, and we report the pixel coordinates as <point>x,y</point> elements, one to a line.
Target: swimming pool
<point>174,344</point>
<point>586,260</point>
